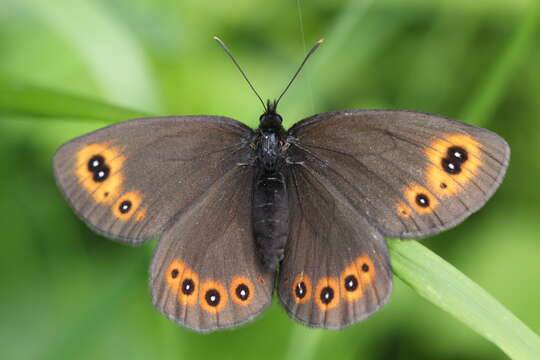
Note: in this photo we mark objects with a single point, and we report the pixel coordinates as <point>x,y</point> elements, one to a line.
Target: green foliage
<point>68,67</point>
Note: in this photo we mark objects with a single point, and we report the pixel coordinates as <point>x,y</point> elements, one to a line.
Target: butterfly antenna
<point>222,44</point>
<point>315,47</point>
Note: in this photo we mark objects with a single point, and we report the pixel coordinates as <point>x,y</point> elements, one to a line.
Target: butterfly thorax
<point>270,202</point>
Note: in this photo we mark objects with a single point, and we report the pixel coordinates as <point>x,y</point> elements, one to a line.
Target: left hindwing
<point>409,174</point>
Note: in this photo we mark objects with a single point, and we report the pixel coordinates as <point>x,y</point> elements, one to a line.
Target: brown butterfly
<point>234,205</point>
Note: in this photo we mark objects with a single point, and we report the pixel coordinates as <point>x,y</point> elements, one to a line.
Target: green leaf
<point>20,99</point>
<point>445,286</point>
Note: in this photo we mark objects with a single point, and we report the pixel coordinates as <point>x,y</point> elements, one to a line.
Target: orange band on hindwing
<point>212,296</point>
<point>327,293</point>
<point>301,289</point>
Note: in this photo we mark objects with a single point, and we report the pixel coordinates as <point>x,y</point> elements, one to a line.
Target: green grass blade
<point>516,54</point>
<point>443,285</point>
<point>20,99</point>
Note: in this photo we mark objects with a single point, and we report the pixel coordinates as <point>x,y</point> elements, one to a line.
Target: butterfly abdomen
<point>270,217</point>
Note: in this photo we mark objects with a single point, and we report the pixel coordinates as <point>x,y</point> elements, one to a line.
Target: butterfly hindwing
<point>205,274</point>
<point>336,269</point>
<point>129,180</point>
<point>410,174</point>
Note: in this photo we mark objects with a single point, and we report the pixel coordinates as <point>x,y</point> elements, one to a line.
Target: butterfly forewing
<point>410,174</point>
<point>130,180</point>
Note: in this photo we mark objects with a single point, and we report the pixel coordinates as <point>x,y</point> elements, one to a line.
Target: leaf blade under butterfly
<point>445,286</point>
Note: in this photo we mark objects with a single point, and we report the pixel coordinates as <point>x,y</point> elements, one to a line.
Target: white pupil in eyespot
<point>457,154</point>
<point>101,174</point>
<point>95,163</point>
<point>213,298</point>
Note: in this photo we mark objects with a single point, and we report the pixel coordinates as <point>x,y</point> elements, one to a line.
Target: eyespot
<point>127,205</point>
<point>327,293</point>
<point>213,296</point>
<point>182,281</point>
<point>451,166</point>
<point>97,167</point>
<point>124,206</point>
<point>455,161</point>
<point>366,270</point>
<point>350,282</point>
<point>173,273</point>
<point>301,289</point>
<point>188,286</point>
<point>241,290</point>
<point>458,153</point>
<point>420,199</point>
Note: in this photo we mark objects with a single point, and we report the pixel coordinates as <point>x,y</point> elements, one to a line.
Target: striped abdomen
<point>270,217</point>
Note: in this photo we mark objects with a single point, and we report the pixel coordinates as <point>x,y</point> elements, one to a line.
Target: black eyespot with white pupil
<point>174,273</point>
<point>327,295</point>
<point>351,283</point>
<point>451,166</point>
<point>100,171</point>
<point>125,206</point>
<point>212,297</point>
<point>242,292</point>
<point>95,162</point>
<point>455,157</point>
<point>188,286</point>
<point>301,290</point>
<point>458,153</point>
<point>422,200</point>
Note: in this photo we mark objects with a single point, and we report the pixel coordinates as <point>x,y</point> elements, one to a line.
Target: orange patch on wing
<point>129,201</point>
<point>351,284</point>
<point>242,290</point>
<point>174,274</point>
<point>212,296</point>
<point>140,214</point>
<point>188,287</point>
<point>102,191</point>
<point>442,182</point>
<point>415,194</point>
<point>366,270</point>
<point>327,293</point>
<point>403,210</point>
<point>301,289</point>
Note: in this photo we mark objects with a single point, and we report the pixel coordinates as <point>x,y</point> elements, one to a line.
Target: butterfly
<point>242,212</point>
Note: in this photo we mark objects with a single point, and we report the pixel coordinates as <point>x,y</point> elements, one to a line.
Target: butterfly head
<point>270,119</point>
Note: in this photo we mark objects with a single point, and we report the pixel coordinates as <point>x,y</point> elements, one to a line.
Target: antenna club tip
<point>320,41</point>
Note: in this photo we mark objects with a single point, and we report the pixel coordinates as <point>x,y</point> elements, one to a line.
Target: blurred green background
<point>68,293</point>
